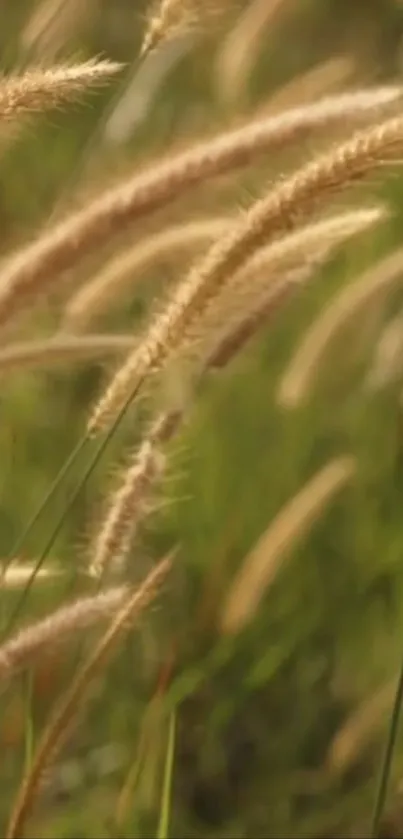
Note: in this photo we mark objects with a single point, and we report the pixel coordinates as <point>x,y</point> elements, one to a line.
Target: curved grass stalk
<point>299,377</point>
<point>63,716</point>
<point>91,466</point>
<point>267,219</point>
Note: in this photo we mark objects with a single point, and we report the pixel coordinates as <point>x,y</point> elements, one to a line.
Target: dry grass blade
<point>61,720</point>
<point>299,378</point>
<point>33,270</point>
<point>128,505</point>
<point>274,214</point>
<point>21,649</point>
<point>263,563</point>
<point>62,350</point>
<point>361,727</point>
<point>120,274</point>
<point>41,89</point>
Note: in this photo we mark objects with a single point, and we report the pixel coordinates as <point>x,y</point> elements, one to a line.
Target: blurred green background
<point>255,716</point>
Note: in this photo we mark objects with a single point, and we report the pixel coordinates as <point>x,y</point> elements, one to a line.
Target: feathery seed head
<point>272,215</point>
<point>29,274</point>
<point>167,20</point>
<point>39,89</point>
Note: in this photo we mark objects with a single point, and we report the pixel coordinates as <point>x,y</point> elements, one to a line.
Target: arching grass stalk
<point>71,501</point>
<point>163,824</point>
<point>386,766</point>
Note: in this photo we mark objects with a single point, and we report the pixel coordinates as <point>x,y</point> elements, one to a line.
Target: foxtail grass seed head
<point>123,272</point>
<point>282,266</point>
<point>21,649</point>
<point>240,328</point>
<point>61,350</point>
<point>360,729</point>
<point>264,562</point>
<point>300,376</point>
<point>29,274</point>
<point>61,720</point>
<point>40,89</point>
<point>279,211</point>
<point>129,504</point>
<point>168,19</point>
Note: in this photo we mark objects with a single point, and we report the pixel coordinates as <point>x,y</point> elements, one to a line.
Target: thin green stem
<point>42,506</point>
<point>163,825</point>
<point>386,766</point>
<point>71,501</point>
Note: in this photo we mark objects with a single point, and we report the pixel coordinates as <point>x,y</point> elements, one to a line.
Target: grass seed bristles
<point>263,563</point>
<point>33,270</point>
<point>274,214</point>
<point>123,272</point>
<point>23,647</point>
<point>168,19</point>
<point>61,720</point>
<point>359,730</point>
<point>308,247</point>
<point>322,79</point>
<point>242,328</point>
<point>39,89</point>
<point>62,350</point>
<point>300,375</point>
<point>129,503</point>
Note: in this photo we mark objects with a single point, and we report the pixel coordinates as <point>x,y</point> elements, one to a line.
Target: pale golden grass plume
<point>276,213</point>
<point>30,274</point>
<point>39,89</point>
<point>122,273</point>
<point>19,573</point>
<point>237,56</point>
<point>301,374</point>
<point>62,349</point>
<point>322,79</point>
<point>27,643</point>
<point>387,364</point>
<point>360,729</point>
<point>231,339</point>
<point>60,722</point>
<point>128,505</point>
<point>275,270</point>
<point>262,565</point>
<point>167,20</point>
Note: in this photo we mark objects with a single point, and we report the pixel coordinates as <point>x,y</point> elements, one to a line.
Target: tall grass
<point>244,692</point>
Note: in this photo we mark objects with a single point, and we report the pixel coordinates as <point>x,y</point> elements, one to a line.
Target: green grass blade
<point>44,503</point>
<point>69,505</point>
<point>386,767</point>
<point>163,825</point>
<point>29,721</point>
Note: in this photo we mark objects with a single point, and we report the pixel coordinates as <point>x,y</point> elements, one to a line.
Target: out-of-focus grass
<point>256,714</point>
